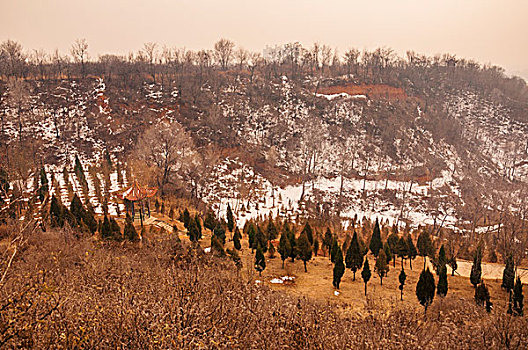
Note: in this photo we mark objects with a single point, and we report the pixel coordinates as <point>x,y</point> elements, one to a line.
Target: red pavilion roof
<point>135,192</point>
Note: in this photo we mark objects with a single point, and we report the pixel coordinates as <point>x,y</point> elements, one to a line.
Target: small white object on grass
<point>207,250</point>
<point>336,293</point>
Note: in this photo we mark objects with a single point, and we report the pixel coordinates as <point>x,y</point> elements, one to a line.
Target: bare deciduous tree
<point>79,52</point>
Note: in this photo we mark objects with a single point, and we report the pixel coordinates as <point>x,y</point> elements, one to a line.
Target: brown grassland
<point>66,291</point>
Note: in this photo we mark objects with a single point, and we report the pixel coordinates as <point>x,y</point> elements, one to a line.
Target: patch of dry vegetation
<point>68,292</point>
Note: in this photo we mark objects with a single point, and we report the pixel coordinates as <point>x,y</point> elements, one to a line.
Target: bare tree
<point>169,149</point>
<point>151,53</point>
<point>12,53</point>
<point>224,52</point>
<point>79,52</point>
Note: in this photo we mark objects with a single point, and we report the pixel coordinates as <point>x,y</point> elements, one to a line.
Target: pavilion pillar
<point>141,212</point>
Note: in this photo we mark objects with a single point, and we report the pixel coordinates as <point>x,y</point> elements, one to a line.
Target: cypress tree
<point>230,218</point>
<point>4,184</point>
<point>482,296</point>
<point>392,241</point>
<point>186,218</point>
<point>518,298</point>
<point>129,231</point>
<point>89,219</point>
<point>365,274</point>
<point>375,241</point>
<point>216,246</point>
<point>327,241</point>
<point>219,232</point>
<point>307,230</point>
<point>354,258</point>
<point>56,214</point>
<point>425,245</point>
<point>316,246</point>
<point>293,244</point>
<point>260,261</point>
<point>476,269</point>
<point>284,248</point>
<point>271,230</point>
<point>401,278</point>
<point>261,239</point>
<point>425,289</point>
<point>193,232</point>
<point>442,259</point>
<point>412,250</point>
<point>106,231</point>
<point>44,187</point>
<point>339,268</point>
<point>403,249</point>
<point>271,250</point>
<point>304,249</point>
<point>388,253</point>
<point>236,239</point>
<point>115,230</point>
<point>333,251</point>
<point>441,288</point>
<point>381,267</point>
<point>508,275</point>
<point>252,236</point>
<point>198,226</point>
<point>77,209</point>
<point>210,221</point>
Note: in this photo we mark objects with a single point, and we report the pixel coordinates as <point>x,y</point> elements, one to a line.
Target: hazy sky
<point>490,31</point>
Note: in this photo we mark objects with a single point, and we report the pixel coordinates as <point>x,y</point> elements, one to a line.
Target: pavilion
<point>140,195</point>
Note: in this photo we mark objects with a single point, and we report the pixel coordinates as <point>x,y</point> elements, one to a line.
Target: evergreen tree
<point>284,248</point>
<point>354,258</point>
<point>508,275</point>
<point>441,288</point>
<point>482,296</point>
<point>4,185</point>
<point>210,221</point>
<point>252,235</point>
<point>271,230</point>
<point>56,214</point>
<point>260,261</point>
<point>392,241</point>
<point>77,209</point>
<point>333,251</point>
<point>44,187</point>
<point>216,246</point>
<point>116,230</point>
<point>442,260</point>
<point>171,212</point>
<point>236,239</point>
<point>129,231</point>
<point>375,241</point>
<point>425,245</point>
<point>219,232</point>
<point>425,288</point>
<point>339,268</point>
<point>233,254</point>
<point>271,250</point>
<point>293,243</point>
<point>230,219</point>
<point>198,226</point>
<point>327,241</point>
<point>307,230</point>
<point>106,231</point>
<point>316,246</point>
<point>382,266</point>
<point>403,249</point>
<point>193,232</point>
<point>89,219</point>
<point>412,250</point>
<point>362,246</point>
<point>402,277</point>
<point>388,253</point>
<point>304,249</point>
<point>365,274</point>
<point>79,171</point>
<point>476,269</point>
<point>261,239</point>
<point>518,298</point>
<point>186,218</point>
